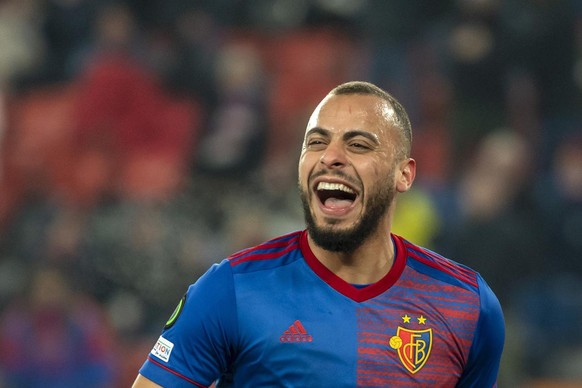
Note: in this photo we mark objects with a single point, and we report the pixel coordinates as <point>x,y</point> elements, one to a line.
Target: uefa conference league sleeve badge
<point>177,311</point>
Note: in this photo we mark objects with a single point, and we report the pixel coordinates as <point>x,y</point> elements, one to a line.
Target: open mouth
<point>335,195</point>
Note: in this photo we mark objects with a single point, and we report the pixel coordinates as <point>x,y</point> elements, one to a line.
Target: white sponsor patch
<point>162,349</point>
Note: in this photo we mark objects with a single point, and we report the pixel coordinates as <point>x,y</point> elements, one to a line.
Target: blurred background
<point>143,140</point>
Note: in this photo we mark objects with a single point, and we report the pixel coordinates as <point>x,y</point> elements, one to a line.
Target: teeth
<point>334,186</point>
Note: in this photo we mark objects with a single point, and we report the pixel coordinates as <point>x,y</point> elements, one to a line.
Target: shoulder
<point>452,273</point>
<point>273,253</point>
<point>469,292</point>
<point>218,280</point>
<point>439,267</point>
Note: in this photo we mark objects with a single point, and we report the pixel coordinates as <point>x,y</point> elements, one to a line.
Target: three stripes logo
<point>296,333</point>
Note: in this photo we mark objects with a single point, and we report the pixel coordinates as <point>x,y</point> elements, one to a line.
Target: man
<point>344,303</point>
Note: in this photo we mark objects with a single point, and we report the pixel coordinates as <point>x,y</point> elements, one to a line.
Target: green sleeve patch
<point>177,311</point>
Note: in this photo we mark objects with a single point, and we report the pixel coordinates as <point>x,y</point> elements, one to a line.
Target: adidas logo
<point>296,333</point>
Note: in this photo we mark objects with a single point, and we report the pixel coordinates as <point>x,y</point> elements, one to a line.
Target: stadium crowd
<point>142,140</point>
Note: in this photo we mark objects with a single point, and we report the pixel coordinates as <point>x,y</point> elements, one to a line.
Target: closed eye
<point>360,147</point>
<point>316,143</point>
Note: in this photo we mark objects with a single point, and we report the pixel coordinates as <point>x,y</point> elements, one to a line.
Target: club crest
<point>413,347</point>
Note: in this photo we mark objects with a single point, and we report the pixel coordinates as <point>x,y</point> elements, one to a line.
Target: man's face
<point>348,170</point>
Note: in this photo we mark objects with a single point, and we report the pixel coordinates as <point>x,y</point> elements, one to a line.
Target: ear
<point>406,171</point>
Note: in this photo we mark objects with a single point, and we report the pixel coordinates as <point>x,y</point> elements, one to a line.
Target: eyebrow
<point>348,135</point>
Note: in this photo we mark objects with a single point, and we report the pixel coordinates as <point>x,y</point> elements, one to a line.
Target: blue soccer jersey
<point>273,315</point>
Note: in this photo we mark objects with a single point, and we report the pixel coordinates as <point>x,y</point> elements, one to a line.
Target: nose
<point>334,156</point>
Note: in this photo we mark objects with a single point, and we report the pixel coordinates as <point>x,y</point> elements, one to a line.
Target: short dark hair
<point>401,118</point>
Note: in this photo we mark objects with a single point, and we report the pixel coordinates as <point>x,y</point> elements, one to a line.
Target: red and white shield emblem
<point>413,347</point>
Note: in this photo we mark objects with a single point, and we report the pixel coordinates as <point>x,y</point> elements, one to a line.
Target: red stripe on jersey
<point>448,263</point>
<point>440,259</point>
<point>446,266</point>
<point>279,242</point>
<point>176,373</point>
<point>263,256</point>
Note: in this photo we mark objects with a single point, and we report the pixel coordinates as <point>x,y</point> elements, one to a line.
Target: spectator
<point>549,305</point>
<point>497,231</point>
<point>56,337</point>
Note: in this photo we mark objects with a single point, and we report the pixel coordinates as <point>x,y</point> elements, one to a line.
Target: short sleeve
<point>197,343</point>
<point>485,354</point>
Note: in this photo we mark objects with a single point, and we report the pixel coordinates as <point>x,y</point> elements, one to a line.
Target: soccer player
<point>345,302</point>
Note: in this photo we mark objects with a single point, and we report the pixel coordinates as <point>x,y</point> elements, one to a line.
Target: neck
<point>366,265</point>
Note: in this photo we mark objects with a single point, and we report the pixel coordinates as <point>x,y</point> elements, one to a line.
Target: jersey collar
<point>347,289</point>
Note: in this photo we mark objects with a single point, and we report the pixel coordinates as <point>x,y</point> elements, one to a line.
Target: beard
<point>349,239</point>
